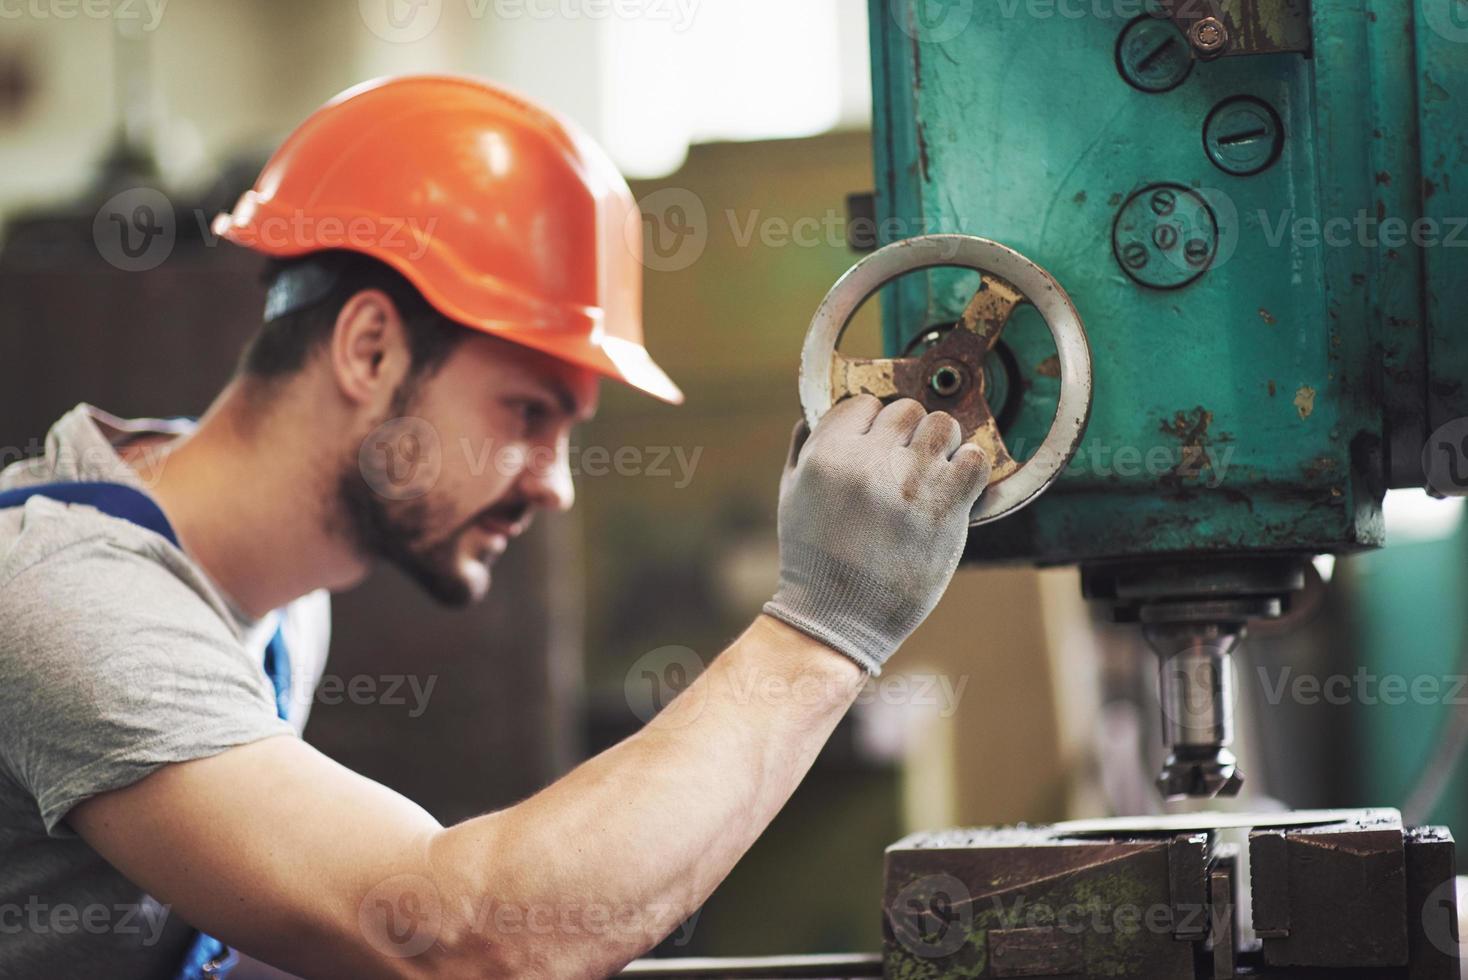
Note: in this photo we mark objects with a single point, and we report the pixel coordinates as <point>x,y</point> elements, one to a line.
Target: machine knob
<point>949,375</point>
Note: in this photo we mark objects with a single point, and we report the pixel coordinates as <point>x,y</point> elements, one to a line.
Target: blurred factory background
<point>743,125</point>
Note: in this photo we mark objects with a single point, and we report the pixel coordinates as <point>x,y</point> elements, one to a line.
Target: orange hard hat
<point>507,218</point>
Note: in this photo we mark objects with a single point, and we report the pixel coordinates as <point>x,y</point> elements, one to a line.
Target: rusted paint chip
<point>1305,401</point>
<point>1190,428</point>
<point>990,308</point>
<point>856,376</point>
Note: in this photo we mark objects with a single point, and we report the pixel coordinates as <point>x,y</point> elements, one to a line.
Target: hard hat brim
<point>573,334</point>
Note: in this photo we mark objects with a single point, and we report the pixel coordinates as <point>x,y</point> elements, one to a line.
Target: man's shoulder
<point>45,534</point>
<point>56,556</point>
<point>115,658</point>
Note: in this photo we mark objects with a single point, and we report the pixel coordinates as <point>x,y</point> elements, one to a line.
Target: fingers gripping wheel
<point>949,376</point>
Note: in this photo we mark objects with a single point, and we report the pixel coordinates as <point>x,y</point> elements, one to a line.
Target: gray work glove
<point>873,518</point>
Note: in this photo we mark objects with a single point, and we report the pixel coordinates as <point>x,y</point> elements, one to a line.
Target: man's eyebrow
<point>564,397</point>
<point>561,394</point>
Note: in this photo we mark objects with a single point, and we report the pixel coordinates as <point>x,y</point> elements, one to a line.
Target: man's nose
<point>546,480</point>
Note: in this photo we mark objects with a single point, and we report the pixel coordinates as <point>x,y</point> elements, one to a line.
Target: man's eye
<point>533,414</point>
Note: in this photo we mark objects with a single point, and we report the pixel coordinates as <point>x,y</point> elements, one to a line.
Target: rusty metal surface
<point>1241,412</point>
<point>1251,26</point>
<point>1333,896</point>
<point>1441,75</point>
<point>1022,902</point>
<point>1432,932</point>
<point>950,374</point>
<point>833,967</point>
<point>990,309</point>
<point>1267,26</point>
<point>884,377</point>
<point>1345,894</point>
<point>1035,951</point>
<point>963,351</point>
<point>1209,820</point>
<point>1187,871</point>
<point>1223,933</point>
<point>986,436</point>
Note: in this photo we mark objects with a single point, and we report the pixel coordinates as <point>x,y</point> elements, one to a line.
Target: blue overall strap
<point>278,669</point>
<point>207,957</point>
<point>115,499</point>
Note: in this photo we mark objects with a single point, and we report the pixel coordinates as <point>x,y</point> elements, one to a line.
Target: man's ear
<point>369,352</point>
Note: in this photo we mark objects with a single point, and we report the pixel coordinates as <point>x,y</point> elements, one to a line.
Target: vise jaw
<point>1342,893</point>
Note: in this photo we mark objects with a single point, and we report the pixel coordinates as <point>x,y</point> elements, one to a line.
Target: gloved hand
<point>873,518</point>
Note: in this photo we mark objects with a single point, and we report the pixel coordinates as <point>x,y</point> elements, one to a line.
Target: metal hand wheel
<point>949,375</point>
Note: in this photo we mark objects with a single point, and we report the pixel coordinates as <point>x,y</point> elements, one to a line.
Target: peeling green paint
<point>1041,160</point>
<point>1304,401</point>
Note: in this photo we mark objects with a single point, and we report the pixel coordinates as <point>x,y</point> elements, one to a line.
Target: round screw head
<point>1163,202</point>
<point>1243,135</point>
<point>1197,252</point>
<point>1208,35</point>
<point>1152,55</point>
<point>1164,236</point>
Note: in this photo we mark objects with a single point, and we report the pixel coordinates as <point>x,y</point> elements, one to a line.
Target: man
<point>452,269</point>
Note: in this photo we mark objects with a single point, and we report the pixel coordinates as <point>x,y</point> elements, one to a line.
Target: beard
<point>401,533</point>
<point>421,537</point>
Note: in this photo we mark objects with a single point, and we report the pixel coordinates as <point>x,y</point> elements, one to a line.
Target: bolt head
<point>1197,253</point>
<point>1208,35</point>
<point>1164,236</point>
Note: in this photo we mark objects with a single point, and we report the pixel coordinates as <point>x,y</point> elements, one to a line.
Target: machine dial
<point>948,375</point>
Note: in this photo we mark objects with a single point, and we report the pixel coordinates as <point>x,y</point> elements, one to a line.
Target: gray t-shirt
<point>118,655</point>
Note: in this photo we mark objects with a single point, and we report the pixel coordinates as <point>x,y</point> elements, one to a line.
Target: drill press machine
<point>1185,270</point>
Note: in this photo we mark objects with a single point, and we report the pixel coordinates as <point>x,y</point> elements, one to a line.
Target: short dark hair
<point>292,329</point>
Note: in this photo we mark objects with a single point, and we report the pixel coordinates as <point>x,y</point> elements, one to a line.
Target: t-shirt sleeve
<point>111,666</point>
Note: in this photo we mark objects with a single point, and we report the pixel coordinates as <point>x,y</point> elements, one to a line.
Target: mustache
<point>508,512</point>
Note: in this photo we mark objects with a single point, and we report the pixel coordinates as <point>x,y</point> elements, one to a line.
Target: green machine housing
<point>1266,248</point>
<point>1260,211</point>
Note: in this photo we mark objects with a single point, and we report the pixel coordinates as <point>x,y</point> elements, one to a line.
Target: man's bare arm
<point>294,859</point>
<point>276,849</point>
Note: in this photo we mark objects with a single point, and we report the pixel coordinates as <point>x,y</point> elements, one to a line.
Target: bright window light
<point>1411,515</point>
<point>728,70</point>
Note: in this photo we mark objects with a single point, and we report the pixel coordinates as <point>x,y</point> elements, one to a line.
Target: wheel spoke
<point>987,438</point>
<point>885,377</point>
<point>989,310</point>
